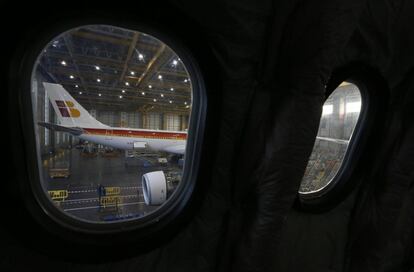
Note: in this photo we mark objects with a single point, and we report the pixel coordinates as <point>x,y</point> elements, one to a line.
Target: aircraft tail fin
<point>69,112</point>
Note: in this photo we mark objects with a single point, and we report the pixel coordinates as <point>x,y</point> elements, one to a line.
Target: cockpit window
<point>340,115</point>
<point>111,109</point>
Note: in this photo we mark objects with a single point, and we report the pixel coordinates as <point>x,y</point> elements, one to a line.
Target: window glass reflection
<point>339,117</point>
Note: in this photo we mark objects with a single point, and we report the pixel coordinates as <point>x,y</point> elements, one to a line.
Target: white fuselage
<point>127,139</point>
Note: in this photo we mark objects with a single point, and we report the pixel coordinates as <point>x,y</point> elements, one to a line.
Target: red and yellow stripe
<point>136,133</point>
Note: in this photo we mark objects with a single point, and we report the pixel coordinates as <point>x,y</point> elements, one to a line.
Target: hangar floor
<point>80,193</point>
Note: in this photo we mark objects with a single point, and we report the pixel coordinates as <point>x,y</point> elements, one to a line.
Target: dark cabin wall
<point>369,231</point>
<point>315,242</point>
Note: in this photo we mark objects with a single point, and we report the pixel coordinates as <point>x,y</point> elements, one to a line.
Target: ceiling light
<point>187,107</point>
<point>170,102</point>
<point>140,56</point>
<point>150,86</point>
<point>97,68</point>
<point>76,86</point>
<point>185,80</point>
<point>143,93</point>
<point>127,83</point>
<point>80,92</point>
<point>162,95</point>
<point>175,62</point>
<point>155,100</point>
<point>123,91</point>
<point>185,103</point>
<point>72,77</point>
<point>100,94</point>
<point>132,73</point>
<point>63,63</point>
<point>172,89</point>
<point>159,76</point>
<point>120,96</point>
<point>99,80</point>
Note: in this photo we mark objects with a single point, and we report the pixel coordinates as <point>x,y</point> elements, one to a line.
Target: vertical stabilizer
<point>69,112</point>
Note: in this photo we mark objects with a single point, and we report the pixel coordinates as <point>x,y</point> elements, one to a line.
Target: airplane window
<point>340,115</point>
<point>111,110</point>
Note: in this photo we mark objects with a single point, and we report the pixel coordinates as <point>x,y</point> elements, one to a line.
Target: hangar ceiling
<point>105,67</point>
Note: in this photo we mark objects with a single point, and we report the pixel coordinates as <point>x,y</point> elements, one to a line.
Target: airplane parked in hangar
<point>76,120</point>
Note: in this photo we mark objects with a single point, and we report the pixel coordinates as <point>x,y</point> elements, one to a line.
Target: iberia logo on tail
<point>67,109</point>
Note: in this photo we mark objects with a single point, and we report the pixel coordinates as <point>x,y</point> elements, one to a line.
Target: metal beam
<point>131,48</point>
<point>70,51</point>
<point>106,62</point>
<point>151,67</point>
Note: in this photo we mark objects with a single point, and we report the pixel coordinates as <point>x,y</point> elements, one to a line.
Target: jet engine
<point>154,187</point>
<point>157,186</point>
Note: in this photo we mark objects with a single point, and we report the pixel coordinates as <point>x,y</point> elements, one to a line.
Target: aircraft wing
<point>74,131</point>
<point>175,149</point>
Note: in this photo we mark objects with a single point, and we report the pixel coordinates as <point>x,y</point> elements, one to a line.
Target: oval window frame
<point>374,95</point>
<point>151,230</point>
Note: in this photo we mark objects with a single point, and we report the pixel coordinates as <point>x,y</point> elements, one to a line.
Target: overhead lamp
<point>63,63</point>
<point>171,89</point>
<point>140,56</point>
<point>170,102</point>
<point>120,96</point>
<point>99,80</point>
<point>162,95</point>
<point>150,86</point>
<point>132,73</point>
<point>123,91</point>
<point>185,80</point>
<point>76,86</point>
<point>100,94</point>
<point>80,92</point>
<point>159,76</point>
<point>71,77</point>
<point>155,100</point>
<point>185,103</point>
<point>127,83</point>
<point>97,68</point>
<point>187,107</point>
<point>175,62</point>
<point>143,93</point>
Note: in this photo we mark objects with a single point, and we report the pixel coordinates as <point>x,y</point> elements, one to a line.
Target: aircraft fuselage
<point>127,139</point>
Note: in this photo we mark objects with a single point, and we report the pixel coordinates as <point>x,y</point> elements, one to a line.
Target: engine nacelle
<point>154,187</point>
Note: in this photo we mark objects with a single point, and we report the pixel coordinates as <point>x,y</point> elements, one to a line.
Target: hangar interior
<point>340,114</point>
<point>124,79</point>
